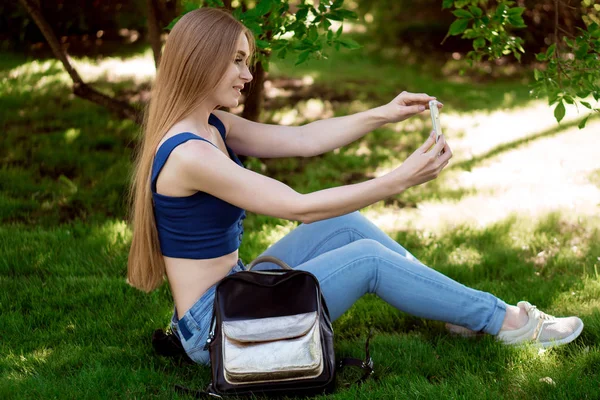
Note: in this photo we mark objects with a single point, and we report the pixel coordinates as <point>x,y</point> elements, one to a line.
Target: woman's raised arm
<point>203,167</point>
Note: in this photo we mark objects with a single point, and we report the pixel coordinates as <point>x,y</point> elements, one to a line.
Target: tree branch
<point>556,55</point>
<point>80,88</point>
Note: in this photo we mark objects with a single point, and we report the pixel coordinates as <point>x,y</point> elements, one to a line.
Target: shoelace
<point>541,314</point>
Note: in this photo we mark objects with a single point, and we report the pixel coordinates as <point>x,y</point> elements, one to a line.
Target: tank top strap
<point>217,123</point>
<point>164,151</point>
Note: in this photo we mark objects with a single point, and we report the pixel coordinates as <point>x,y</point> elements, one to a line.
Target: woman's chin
<point>231,104</point>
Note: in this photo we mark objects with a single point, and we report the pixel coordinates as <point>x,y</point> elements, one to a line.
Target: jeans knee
<point>367,247</point>
<point>352,219</point>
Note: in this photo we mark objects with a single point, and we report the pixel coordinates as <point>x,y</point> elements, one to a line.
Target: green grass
<point>73,328</point>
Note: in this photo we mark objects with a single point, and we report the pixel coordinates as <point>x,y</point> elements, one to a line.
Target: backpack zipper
<point>211,334</point>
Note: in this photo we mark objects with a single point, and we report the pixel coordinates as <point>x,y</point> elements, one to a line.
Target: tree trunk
<point>254,98</point>
<point>122,109</point>
<point>154,31</point>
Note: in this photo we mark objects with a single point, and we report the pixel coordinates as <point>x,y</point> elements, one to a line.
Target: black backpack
<point>271,334</point>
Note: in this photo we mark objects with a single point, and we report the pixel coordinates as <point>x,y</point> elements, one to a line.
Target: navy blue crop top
<point>197,226</point>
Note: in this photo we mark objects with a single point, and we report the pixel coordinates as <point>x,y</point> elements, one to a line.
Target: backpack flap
<point>273,349</point>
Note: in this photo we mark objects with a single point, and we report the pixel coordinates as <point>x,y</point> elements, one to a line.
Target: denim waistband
<point>191,320</point>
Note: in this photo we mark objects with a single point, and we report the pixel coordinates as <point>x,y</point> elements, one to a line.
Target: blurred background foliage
<point>418,24</point>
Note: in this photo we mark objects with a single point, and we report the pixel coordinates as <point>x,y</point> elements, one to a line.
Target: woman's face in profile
<point>228,92</point>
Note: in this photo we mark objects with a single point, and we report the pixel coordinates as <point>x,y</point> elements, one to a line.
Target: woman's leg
<point>350,256</point>
<point>366,266</point>
<point>311,240</point>
<point>322,246</point>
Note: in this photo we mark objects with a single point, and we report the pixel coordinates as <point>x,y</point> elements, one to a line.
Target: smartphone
<point>435,119</point>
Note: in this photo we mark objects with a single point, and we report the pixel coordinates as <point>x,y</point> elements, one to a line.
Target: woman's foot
<point>540,329</point>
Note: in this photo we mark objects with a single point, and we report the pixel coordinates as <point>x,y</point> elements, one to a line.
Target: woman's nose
<point>246,75</point>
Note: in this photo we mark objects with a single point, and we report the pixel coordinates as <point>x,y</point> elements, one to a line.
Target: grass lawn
<point>505,218</point>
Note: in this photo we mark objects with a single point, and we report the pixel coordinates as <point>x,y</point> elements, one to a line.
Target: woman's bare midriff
<point>189,279</point>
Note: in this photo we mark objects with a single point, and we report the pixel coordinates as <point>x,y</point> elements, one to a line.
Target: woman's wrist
<point>394,183</point>
<point>380,115</point>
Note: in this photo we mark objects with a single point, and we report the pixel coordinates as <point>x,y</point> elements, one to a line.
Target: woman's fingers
<point>447,155</point>
<point>430,140</point>
<point>417,97</point>
<point>439,145</point>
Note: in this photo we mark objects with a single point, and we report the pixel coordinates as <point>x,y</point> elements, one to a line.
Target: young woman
<point>190,193</point>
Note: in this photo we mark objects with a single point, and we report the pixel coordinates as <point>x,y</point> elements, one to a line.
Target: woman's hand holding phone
<point>424,164</point>
<point>407,104</point>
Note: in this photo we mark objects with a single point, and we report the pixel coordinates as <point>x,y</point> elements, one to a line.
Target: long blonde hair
<point>197,52</point>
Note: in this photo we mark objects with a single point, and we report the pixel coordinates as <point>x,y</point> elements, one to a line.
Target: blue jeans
<point>350,256</point>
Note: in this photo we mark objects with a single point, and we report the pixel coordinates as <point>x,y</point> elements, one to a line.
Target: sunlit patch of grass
<point>594,177</point>
<point>260,233</point>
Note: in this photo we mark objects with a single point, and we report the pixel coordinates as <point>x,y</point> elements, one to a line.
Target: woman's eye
<point>238,61</point>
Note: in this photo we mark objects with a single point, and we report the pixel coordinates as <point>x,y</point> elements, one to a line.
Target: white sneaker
<point>542,330</point>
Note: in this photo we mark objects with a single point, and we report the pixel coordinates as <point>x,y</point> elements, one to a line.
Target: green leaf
<point>339,31</point>
<point>583,122</point>
<point>516,21</point>
<point>334,16</point>
<point>551,50</point>
<point>237,13</point>
<point>262,44</point>
<point>479,43</point>
<point>336,4</point>
<point>349,43</point>
<point>462,14</point>
<point>329,35</point>
<point>476,11</point>
<point>282,53</point>
<point>347,14</point>
<point>313,35</point>
<point>303,57</point>
<point>517,56</point>
<point>263,7</point>
<point>447,4</point>
<point>559,111</point>
<point>300,30</point>
<point>516,11</point>
<point>303,45</point>
<point>586,104</point>
<point>301,14</point>
<point>458,26</point>
<point>500,11</point>
<point>582,51</point>
<point>538,74</point>
<point>541,57</point>
<point>552,98</point>
<point>254,27</point>
<point>279,44</point>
